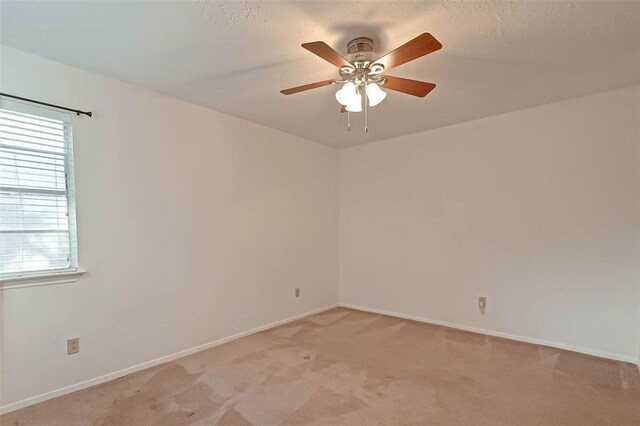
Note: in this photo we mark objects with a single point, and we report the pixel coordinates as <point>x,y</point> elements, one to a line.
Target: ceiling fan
<point>361,76</point>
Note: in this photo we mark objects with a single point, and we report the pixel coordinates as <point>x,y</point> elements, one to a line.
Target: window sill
<point>43,279</point>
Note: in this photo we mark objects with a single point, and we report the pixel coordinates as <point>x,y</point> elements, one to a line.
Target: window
<point>37,214</point>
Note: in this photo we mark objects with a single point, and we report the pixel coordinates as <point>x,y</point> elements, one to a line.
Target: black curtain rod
<point>77,111</point>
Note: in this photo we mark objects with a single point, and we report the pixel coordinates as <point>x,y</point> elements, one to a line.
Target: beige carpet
<point>346,367</point>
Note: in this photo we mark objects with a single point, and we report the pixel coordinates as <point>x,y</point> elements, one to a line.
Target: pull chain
<point>348,121</point>
<point>366,115</point>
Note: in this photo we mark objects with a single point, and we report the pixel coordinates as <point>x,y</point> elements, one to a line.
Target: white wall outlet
<point>297,292</point>
<point>482,304</point>
<point>73,346</point>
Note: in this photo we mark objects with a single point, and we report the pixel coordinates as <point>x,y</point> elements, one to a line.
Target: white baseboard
<point>116,374</point>
<point>601,354</point>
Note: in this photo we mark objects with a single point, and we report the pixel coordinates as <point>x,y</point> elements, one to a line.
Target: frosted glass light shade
<point>375,94</point>
<point>355,103</point>
<point>347,94</point>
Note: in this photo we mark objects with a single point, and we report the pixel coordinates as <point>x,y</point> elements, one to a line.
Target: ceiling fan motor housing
<point>360,54</point>
<point>360,44</point>
<point>360,51</point>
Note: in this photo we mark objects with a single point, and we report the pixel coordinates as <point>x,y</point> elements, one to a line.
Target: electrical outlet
<point>482,304</point>
<point>73,346</point>
<point>297,292</point>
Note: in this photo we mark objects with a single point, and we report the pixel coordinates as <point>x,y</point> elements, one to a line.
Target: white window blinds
<point>37,217</point>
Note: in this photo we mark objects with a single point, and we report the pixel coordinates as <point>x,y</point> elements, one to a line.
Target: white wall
<point>536,209</point>
<point>193,226</point>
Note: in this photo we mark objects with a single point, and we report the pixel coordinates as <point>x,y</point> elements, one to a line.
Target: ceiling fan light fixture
<point>347,94</point>
<point>375,94</point>
<point>361,73</point>
<point>355,103</point>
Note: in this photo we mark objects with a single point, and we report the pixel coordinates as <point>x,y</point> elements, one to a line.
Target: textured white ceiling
<point>235,56</point>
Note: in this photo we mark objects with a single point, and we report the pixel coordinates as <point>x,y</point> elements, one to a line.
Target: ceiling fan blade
<point>323,50</point>
<point>410,87</point>
<point>306,87</point>
<point>422,45</point>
